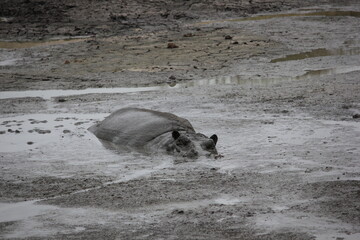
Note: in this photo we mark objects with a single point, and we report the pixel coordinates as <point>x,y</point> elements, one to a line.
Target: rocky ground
<point>281,91</point>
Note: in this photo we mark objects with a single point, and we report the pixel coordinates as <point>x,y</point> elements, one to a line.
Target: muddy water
<point>32,131</point>
<point>47,94</point>
<point>222,80</point>
<point>320,52</point>
<point>22,210</point>
<point>62,147</point>
<point>65,138</point>
<point>329,71</point>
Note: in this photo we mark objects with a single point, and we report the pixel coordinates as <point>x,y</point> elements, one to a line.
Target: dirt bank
<point>43,19</point>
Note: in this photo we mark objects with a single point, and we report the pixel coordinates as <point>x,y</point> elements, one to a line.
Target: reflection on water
<point>320,52</point>
<point>283,15</point>
<point>48,94</point>
<point>239,80</point>
<point>222,80</point>
<point>22,210</point>
<point>328,71</point>
<point>225,80</point>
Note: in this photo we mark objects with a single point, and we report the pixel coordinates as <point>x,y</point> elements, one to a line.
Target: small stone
<point>249,214</point>
<point>40,131</point>
<point>188,35</point>
<point>30,143</point>
<point>178,211</point>
<point>66,131</point>
<point>356,116</point>
<point>172,45</point>
<point>228,37</point>
<point>172,77</point>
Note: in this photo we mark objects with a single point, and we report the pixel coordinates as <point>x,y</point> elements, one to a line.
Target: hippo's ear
<point>214,138</point>
<point>175,134</point>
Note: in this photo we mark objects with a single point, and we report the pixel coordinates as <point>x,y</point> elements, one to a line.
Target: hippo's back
<point>136,127</point>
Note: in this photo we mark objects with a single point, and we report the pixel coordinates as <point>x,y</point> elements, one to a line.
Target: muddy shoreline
<point>278,83</point>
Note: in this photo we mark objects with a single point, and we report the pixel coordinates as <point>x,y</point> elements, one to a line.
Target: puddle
<point>320,52</point>
<point>30,44</point>
<point>329,71</point>
<point>240,80</point>
<point>20,211</point>
<point>283,15</point>
<point>31,131</point>
<point>229,200</point>
<point>9,62</point>
<point>48,94</point>
<point>223,80</point>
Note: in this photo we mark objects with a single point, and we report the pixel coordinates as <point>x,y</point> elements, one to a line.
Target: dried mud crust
<point>336,199</point>
<point>28,81</point>
<point>193,205</point>
<point>24,189</point>
<point>185,186</point>
<point>36,19</point>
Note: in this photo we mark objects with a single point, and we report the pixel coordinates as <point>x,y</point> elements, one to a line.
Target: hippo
<point>136,128</point>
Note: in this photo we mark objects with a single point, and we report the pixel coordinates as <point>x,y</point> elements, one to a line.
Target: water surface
<point>319,52</point>
<point>221,80</point>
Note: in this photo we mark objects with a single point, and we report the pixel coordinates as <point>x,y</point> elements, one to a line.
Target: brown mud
<point>277,81</point>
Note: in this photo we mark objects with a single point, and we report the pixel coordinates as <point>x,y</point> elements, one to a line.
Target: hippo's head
<point>192,145</point>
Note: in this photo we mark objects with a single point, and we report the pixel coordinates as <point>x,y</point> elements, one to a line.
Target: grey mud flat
<point>278,83</point>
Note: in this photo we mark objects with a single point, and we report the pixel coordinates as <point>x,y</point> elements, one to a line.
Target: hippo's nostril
<point>192,154</point>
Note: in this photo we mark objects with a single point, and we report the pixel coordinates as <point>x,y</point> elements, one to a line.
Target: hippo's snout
<point>192,154</point>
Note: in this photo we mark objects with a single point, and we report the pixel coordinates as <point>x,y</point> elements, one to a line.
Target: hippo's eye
<point>208,145</point>
<point>182,141</point>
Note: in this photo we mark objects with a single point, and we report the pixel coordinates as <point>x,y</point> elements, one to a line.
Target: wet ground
<point>281,91</point>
